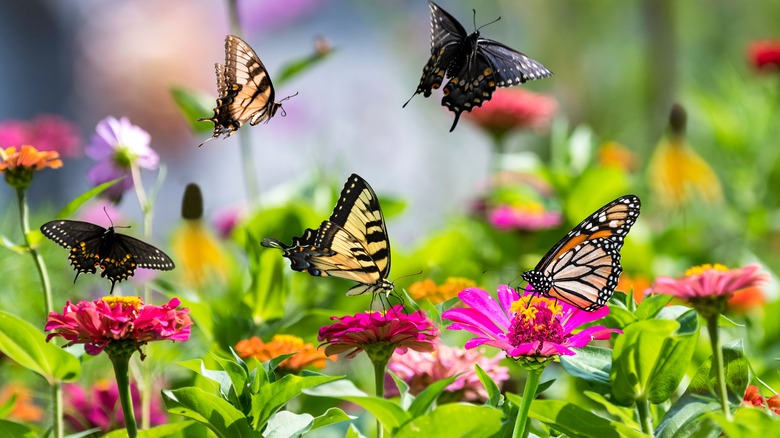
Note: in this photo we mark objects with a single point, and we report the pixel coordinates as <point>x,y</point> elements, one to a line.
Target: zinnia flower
<point>306,355</point>
<point>116,146</point>
<point>709,287</point>
<point>428,290</point>
<point>419,370</point>
<point>101,407</point>
<point>46,132</point>
<point>379,334</point>
<point>677,173</point>
<point>19,164</point>
<point>117,320</point>
<point>765,55</point>
<point>614,154</point>
<point>535,330</point>
<point>513,109</point>
<point>225,221</point>
<point>753,398</point>
<point>23,408</point>
<point>527,217</point>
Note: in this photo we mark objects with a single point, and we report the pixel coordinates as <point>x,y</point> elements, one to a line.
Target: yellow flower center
<point>292,341</point>
<point>112,301</point>
<point>696,270</point>
<point>529,309</point>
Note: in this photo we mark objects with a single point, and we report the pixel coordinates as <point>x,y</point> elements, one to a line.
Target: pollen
<point>696,270</point>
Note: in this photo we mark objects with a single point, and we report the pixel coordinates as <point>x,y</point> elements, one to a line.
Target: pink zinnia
<point>507,217</point>
<point>46,132</point>
<point>765,55</point>
<point>101,407</point>
<point>533,329</point>
<point>98,323</point>
<point>514,108</point>
<point>379,333</point>
<point>710,281</point>
<point>419,370</point>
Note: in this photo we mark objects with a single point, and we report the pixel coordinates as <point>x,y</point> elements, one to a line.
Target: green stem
<point>531,384</point>
<point>717,364</point>
<point>121,371</point>
<point>645,419</point>
<point>56,387</point>
<point>499,150</point>
<point>379,382</point>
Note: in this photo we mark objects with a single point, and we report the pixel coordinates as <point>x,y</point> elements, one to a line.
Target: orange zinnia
<point>306,354</point>
<point>428,290</point>
<point>18,164</point>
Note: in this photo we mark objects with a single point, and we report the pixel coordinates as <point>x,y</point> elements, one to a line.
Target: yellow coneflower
<point>677,173</point>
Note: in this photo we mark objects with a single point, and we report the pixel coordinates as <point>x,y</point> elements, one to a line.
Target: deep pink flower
<point>534,327</point>
<point>46,132</point>
<point>708,281</point>
<point>765,55</point>
<point>116,146</point>
<point>101,407</point>
<point>226,220</point>
<point>419,370</point>
<point>506,217</point>
<point>379,333</point>
<point>514,108</point>
<point>98,323</point>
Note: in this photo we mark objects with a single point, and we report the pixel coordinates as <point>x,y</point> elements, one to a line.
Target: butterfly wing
<point>245,89</point>
<point>583,268</point>
<point>447,41</point>
<point>81,238</point>
<point>510,66</point>
<point>298,252</point>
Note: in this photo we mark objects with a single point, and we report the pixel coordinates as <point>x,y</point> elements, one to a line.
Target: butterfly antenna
<point>475,20</point>
<point>407,275</point>
<point>109,217</point>
<point>486,24</point>
<point>289,97</point>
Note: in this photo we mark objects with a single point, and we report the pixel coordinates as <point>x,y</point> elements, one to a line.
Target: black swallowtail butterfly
<point>92,246</point>
<point>475,66</point>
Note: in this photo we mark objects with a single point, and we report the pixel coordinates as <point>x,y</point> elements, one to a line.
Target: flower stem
<point>56,387</point>
<point>645,419</point>
<point>531,384</point>
<point>379,382</point>
<point>717,364</point>
<point>121,369</point>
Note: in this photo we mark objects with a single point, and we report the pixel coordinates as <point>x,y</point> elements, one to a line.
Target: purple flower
<point>534,328</point>
<point>116,146</point>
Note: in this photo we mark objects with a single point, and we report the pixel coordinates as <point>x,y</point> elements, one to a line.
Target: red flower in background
<point>765,54</point>
<point>514,108</point>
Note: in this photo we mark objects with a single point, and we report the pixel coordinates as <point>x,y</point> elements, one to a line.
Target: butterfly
<point>245,90</point>
<point>92,246</point>
<point>475,66</point>
<point>352,244</point>
<point>583,268</point>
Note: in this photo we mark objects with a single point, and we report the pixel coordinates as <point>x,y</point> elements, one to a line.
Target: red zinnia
<point>765,55</point>
<point>514,108</point>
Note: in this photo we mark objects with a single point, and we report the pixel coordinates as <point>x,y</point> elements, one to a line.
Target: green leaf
<point>271,397</point>
<point>270,365</point>
<point>298,66</point>
<point>80,200</point>
<point>454,420</point>
<point>211,411</point>
<point>403,390</point>
<point>673,362</point>
<point>428,396</point>
<point>237,392</point>
<point>494,393</point>
<point>651,305</point>
<point>267,293</point>
<point>25,344</point>
<point>16,430</point>
<point>626,415</point>
<point>735,366</point>
<point>576,422</point>
<point>194,105</point>
<point>590,363</point>
<point>331,416</point>
<point>353,432</point>
<point>162,431</point>
<point>388,413</point>
<point>752,422</point>
<point>285,424</point>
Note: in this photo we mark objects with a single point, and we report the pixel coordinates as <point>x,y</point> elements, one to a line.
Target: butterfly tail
<point>455,122</point>
<point>270,242</point>
<point>410,99</point>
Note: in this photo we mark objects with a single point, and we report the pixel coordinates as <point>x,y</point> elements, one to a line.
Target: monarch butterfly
<point>352,244</point>
<point>92,246</point>
<point>475,66</point>
<point>245,90</point>
<point>583,268</point>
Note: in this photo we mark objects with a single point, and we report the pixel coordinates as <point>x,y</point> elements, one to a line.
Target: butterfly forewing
<point>583,268</point>
<point>510,66</point>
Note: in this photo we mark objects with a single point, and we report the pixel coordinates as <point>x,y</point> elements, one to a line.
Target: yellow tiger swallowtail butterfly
<point>246,93</point>
<point>352,244</point>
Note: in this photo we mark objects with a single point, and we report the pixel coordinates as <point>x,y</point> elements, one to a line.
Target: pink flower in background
<point>514,109</point>
<point>116,146</point>
<point>226,220</point>
<point>272,14</point>
<point>98,212</point>
<point>710,281</point>
<point>527,218</point>
<point>46,132</point>
<point>98,323</point>
<point>419,370</point>
<point>533,328</point>
<point>765,55</point>
<point>379,333</point>
<point>101,407</point>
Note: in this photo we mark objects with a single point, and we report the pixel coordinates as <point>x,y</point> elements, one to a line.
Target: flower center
<point>124,157</point>
<point>113,301</point>
<point>536,321</point>
<point>696,270</point>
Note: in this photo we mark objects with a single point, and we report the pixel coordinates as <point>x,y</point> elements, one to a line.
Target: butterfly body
<point>583,268</point>
<point>475,66</point>
<point>352,244</point>
<point>92,246</point>
<point>246,93</point>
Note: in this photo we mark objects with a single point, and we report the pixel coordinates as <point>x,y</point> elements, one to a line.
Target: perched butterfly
<point>92,246</point>
<point>583,268</point>
<point>245,90</point>
<point>475,66</point>
<point>352,244</point>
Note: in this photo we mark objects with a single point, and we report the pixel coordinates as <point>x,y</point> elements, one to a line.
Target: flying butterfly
<point>475,66</point>
<point>245,90</point>
<point>583,268</point>
<point>352,244</point>
<point>92,246</point>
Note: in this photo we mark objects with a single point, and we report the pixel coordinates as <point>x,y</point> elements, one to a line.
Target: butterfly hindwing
<point>583,268</point>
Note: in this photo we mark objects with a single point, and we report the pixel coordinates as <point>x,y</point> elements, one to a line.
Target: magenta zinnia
<point>379,333</point>
<point>96,324</point>
<point>533,329</point>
